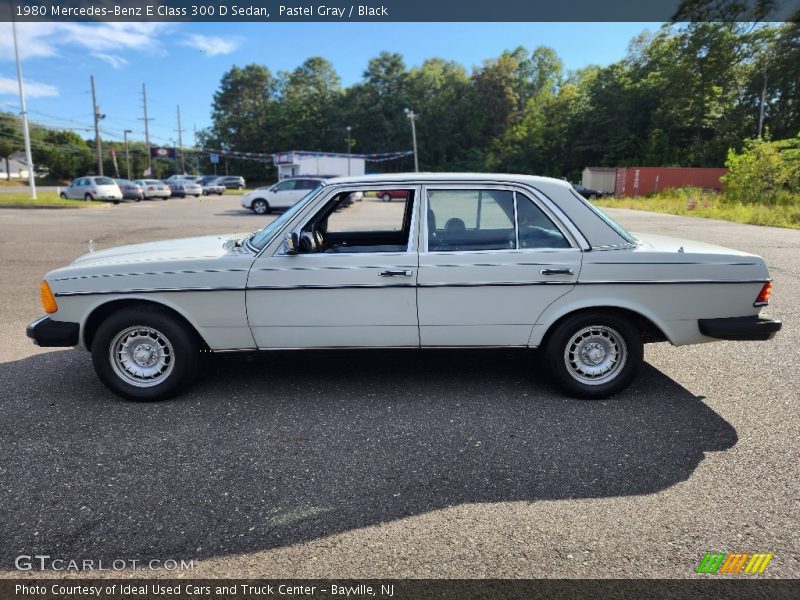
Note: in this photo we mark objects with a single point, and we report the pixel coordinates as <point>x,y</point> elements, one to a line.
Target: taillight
<point>48,300</point>
<point>763,296</point>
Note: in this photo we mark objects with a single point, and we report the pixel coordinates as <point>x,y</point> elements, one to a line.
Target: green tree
<point>64,154</point>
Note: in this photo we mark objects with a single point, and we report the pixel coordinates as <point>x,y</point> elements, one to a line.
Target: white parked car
<point>464,260</point>
<point>93,188</point>
<point>153,188</point>
<point>280,195</point>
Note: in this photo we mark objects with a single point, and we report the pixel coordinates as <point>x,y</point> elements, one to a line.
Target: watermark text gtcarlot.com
<point>45,562</point>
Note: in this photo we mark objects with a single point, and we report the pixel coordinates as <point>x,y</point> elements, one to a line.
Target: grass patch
<point>43,199</point>
<point>711,206</point>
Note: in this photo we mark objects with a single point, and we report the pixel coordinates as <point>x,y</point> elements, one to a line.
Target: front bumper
<point>53,334</point>
<point>752,328</point>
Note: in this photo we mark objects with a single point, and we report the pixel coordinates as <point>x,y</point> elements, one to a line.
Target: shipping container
<point>638,181</point>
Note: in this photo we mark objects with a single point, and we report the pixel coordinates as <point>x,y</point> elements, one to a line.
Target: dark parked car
<point>588,192</point>
<point>232,182</point>
<point>130,190</point>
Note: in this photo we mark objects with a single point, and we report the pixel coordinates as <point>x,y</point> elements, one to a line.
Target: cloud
<point>33,89</point>
<point>115,61</point>
<point>103,40</point>
<point>211,45</point>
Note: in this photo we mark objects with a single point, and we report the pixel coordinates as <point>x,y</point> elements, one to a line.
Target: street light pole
<point>412,116</point>
<point>348,149</point>
<point>24,113</point>
<point>127,156</point>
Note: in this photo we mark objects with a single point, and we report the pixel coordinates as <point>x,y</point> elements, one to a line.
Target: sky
<point>182,63</point>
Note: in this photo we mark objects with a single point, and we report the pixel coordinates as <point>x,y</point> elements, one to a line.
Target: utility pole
<point>24,113</point>
<point>412,116</point>
<point>146,132</point>
<point>348,149</point>
<point>127,156</point>
<point>180,140</point>
<point>98,145</point>
<point>763,102</point>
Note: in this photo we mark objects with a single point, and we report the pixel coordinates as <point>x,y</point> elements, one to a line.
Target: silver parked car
<point>465,260</point>
<point>93,188</point>
<point>130,190</point>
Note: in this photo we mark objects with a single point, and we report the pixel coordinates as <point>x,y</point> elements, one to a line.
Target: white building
<point>16,164</point>
<point>298,162</point>
<point>602,179</point>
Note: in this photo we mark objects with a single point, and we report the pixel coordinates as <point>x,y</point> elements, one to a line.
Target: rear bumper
<point>53,334</point>
<point>752,328</point>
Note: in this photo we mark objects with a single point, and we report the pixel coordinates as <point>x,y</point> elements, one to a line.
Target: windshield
<point>262,238</point>
<point>608,220</point>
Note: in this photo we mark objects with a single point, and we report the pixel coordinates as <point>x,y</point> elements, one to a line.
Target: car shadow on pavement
<point>286,448</point>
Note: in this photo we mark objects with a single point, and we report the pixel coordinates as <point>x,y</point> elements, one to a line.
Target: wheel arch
<point>650,329</point>
<point>102,311</point>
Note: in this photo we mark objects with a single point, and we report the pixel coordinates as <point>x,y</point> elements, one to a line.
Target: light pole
<point>24,112</point>
<point>127,156</point>
<point>348,149</point>
<point>412,116</point>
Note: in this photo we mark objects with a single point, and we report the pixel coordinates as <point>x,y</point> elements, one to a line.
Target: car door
<point>283,194</point>
<point>491,260</point>
<point>75,189</point>
<point>352,284</point>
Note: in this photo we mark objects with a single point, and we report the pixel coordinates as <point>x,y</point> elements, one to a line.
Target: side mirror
<point>290,242</point>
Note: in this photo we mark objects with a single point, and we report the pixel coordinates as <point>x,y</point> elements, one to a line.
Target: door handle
<point>396,273</point>
<point>556,272</point>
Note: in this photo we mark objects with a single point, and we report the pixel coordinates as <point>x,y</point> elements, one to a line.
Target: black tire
<point>115,202</point>
<point>612,335</point>
<point>88,198</point>
<point>181,354</point>
<point>63,196</point>
<point>386,197</point>
<point>260,206</point>
<point>205,193</point>
<point>138,199</point>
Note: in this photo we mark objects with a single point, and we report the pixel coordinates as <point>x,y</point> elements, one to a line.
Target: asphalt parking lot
<point>392,464</point>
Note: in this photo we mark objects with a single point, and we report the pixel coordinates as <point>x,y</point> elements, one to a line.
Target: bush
<point>764,173</point>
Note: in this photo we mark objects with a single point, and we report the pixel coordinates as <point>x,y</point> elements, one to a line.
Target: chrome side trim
<point>673,281</point>
<point>151,273</point>
<point>148,291</point>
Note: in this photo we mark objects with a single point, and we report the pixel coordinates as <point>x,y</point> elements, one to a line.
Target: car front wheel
<point>595,355</point>
<point>143,354</point>
<point>63,196</point>
<point>88,197</point>
<point>386,198</point>
<point>260,206</point>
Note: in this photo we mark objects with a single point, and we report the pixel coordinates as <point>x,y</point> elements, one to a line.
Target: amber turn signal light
<point>48,300</point>
<point>763,295</point>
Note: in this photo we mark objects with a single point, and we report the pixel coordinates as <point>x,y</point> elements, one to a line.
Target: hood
<point>211,246</point>
<point>666,244</point>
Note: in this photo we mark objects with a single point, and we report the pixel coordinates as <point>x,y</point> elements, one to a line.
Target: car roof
<point>449,177</point>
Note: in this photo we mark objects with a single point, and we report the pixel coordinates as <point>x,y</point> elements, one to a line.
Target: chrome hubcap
<point>141,356</point>
<point>595,354</point>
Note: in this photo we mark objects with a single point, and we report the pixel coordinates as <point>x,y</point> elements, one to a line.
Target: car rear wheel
<point>63,196</point>
<point>595,355</point>
<point>386,197</point>
<point>88,197</point>
<point>260,206</point>
<point>143,354</point>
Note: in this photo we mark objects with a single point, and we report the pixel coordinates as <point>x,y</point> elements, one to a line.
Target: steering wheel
<point>313,240</point>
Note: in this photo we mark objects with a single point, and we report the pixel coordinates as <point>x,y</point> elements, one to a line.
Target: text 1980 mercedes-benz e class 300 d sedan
<point>456,260</point>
